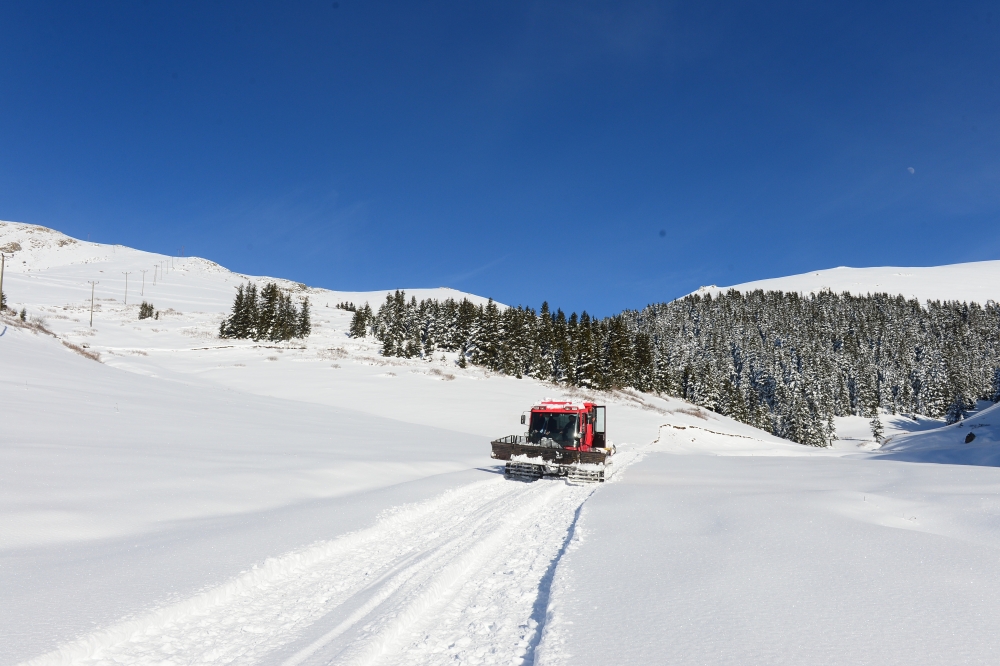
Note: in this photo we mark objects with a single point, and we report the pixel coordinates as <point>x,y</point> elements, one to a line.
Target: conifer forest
<point>782,362</point>
<point>267,315</point>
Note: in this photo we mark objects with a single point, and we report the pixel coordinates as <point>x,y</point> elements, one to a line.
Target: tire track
<point>455,577</point>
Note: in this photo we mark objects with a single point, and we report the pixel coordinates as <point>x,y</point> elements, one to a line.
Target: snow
<point>948,444</point>
<point>781,560</point>
<point>187,499</point>
<point>855,432</point>
<point>977,281</point>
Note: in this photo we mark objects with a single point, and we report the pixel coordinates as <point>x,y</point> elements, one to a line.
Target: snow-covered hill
<point>46,267</point>
<point>186,499</point>
<point>971,282</point>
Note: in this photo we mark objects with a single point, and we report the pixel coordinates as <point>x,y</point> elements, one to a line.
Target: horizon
<point>600,157</point>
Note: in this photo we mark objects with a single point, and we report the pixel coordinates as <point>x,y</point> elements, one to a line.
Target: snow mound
<point>977,281</point>
<point>974,441</point>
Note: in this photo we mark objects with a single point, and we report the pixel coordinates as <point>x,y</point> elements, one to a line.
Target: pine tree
<point>359,323</point>
<point>585,353</point>
<point>959,408</point>
<point>249,321</point>
<point>228,328</point>
<point>877,431</point>
<point>305,321</point>
<point>267,312</point>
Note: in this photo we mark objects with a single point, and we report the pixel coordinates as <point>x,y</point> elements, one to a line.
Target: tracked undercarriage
<point>529,462</point>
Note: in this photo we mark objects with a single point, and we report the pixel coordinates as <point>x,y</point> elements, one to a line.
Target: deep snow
<point>768,560</point>
<point>193,500</point>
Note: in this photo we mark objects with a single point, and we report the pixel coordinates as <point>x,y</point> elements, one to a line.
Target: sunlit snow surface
<point>977,281</point>
<point>190,500</point>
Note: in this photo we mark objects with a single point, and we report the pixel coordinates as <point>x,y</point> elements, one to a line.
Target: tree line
<point>266,315</point>
<point>782,362</point>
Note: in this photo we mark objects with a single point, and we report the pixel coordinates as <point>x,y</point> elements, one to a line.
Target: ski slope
<point>977,282</point>
<point>186,499</point>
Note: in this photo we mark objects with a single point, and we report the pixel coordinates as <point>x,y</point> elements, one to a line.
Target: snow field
<point>782,560</point>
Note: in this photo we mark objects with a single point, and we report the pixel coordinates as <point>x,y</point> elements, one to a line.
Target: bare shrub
<point>93,356</point>
<point>692,411</point>
<point>445,376</point>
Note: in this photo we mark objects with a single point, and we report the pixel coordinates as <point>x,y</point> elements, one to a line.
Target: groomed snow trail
<point>459,578</point>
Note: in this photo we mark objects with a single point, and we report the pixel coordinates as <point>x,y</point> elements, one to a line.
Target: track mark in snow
<point>462,577</point>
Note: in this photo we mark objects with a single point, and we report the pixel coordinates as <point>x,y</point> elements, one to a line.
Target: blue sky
<point>597,155</point>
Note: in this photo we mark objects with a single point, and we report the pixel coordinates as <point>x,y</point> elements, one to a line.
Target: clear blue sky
<point>597,155</point>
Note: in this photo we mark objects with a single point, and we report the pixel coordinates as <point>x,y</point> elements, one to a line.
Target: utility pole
<point>154,275</point>
<point>92,283</point>
<point>125,273</point>
<point>143,291</point>
<point>3,262</point>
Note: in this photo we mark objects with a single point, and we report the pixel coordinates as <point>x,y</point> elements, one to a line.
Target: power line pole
<point>3,264</point>
<point>125,273</point>
<point>154,275</point>
<point>92,283</point>
<point>143,291</point>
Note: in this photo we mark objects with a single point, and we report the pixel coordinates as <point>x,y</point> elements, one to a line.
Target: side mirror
<point>522,419</point>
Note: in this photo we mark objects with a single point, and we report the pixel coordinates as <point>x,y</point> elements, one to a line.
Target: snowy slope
<point>47,267</point>
<point>975,281</point>
<point>193,500</point>
<point>947,444</point>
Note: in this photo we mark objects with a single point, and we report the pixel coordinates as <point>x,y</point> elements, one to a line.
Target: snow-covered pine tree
<point>877,430</point>
<point>959,408</point>
<point>584,353</point>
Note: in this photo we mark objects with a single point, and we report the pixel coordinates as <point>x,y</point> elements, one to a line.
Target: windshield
<point>560,428</point>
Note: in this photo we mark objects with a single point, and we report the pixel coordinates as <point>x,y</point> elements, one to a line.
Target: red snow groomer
<point>564,439</point>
